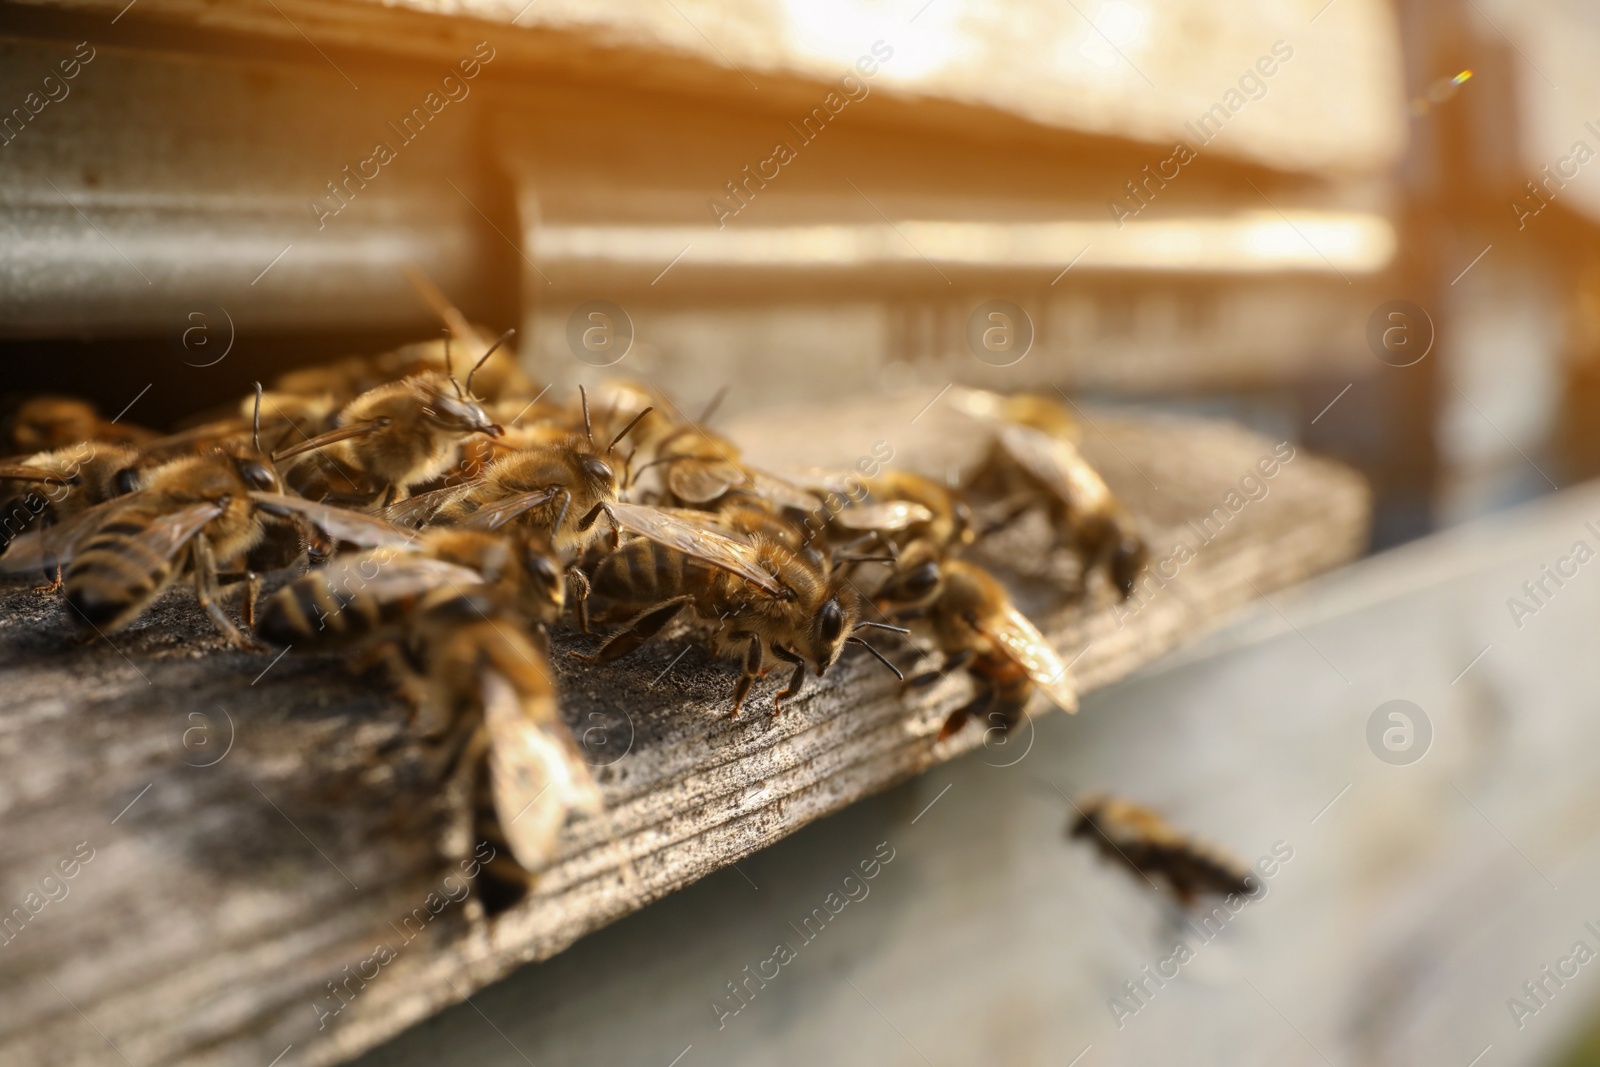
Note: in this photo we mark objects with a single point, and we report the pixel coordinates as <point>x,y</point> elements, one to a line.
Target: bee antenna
<point>255,422</point>
<point>561,517</point>
<point>492,349</point>
<point>626,429</point>
<point>880,626</point>
<point>627,467</point>
<point>711,408</point>
<point>587,429</point>
<point>450,367</point>
<point>876,655</point>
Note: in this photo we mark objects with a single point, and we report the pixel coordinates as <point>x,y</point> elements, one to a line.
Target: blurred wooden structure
<point>600,134</point>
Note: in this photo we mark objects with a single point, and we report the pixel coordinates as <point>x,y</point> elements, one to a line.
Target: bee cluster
<point>441,527</point>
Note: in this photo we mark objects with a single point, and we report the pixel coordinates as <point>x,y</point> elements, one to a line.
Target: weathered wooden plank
<point>260,827</point>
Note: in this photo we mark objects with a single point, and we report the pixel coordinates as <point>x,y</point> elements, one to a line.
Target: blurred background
<point>1368,227</point>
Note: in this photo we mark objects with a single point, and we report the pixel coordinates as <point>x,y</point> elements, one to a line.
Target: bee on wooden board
<point>768,605</point>
<point>978,629</point>
<point>460,618</point>
<point>186,517</point>
<point>1042,413</point>
<point>918,521</point>
<point>354,597</point>
<point>555,491</point>
<point>483,692</point>
<point>53,487</point>
<point>1027,468</point>
<point>1142,842</point>
<point>402,434</point>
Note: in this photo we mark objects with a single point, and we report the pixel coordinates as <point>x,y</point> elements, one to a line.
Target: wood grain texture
<point>259,828</point>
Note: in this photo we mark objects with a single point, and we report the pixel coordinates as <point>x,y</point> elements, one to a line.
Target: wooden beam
<point>259,827</point>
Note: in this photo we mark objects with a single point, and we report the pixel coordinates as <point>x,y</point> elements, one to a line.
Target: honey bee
<point>539,488</point>
<point>977,628</point>
<point>1027,468</point>
<point>185,517</point>
<point>459,615</point>
<point>1139,840</point>
<point>483,692</point>
<point>1042,413</point>
<point>349,600</point>
<point>47,423</point>
<point>53,487</point>
<point>403,434</point>
<point>768,604</point>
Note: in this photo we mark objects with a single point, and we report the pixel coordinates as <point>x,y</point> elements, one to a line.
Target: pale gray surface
<point>1413,908</point>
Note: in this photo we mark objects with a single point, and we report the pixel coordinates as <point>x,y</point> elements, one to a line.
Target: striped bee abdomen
<point>114,576</point>
<point>316,609</point>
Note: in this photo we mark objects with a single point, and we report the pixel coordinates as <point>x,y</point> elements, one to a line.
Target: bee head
<point>831,625</point>
<point>598,471</point>
<point>253,469</point>
<point>916,580</point>
<point>1127,560</point>
<point>461,414</point>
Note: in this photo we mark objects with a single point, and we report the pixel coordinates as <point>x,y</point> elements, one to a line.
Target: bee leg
<point>796,680</point>
<point>578,585</point>
<point>641,628</point>
<point>205,590</point>
<point>458,793</point>
<point>752,667</point>
<point>1013,510</point>
<point>979,705</point>
<point>593,515</point>
<point>53,586</point>
<point>252,592</point>
<point>953,661</point>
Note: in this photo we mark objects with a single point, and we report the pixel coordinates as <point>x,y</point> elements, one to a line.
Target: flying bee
<point>405,433</point>
<point>768,604</point>
<point>1141,841</point>
<point>977,628</point>
<point>1027,468</point>
<point>185,517</point>
<point>47,423</point>
<point>351,599</point>
<point>482,690</point>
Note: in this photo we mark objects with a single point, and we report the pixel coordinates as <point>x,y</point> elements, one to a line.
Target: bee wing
<point>397,575</point>
<point>782,491</point>
<point>351,526</point>
<point>419,510</point>
<point>51,546</point>
<point>493,516</point>
<point>841,480</point>
<point>1023,644</point>
<point>535,773</point>
<point>700,481</point>
<point>888,516</point>
<point>700,540</point>
<point>1056,463</point>
<point>163,538</point>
